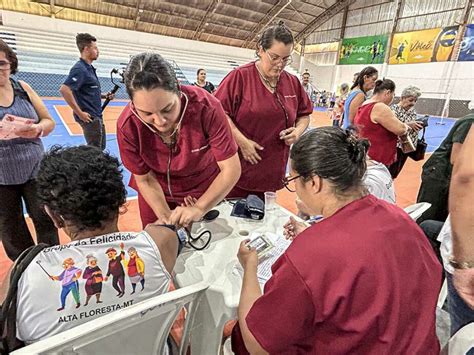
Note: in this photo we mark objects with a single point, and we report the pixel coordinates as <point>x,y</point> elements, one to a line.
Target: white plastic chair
<point>416,210</point>
<point>443,294</point>
<point>139,329</point>
<point>462,341</point>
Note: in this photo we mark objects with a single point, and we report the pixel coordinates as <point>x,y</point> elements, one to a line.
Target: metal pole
<point>454,58</point>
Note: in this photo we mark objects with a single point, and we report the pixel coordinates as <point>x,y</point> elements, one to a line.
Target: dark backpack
<point>8,313</point>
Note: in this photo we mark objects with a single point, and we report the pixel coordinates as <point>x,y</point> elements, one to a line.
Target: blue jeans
<point>459,312</point>
<point>72,287</point>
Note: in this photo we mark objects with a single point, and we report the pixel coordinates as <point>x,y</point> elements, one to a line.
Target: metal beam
<point>344,22</point>
<point>310,3</point>
<point>461,31</point>
<point>185,16</point>
<point>261,25</point>
<point>388,48</point>
<point>322,18</point>
<point>137,14</point>
<point>209,11</point>
<point>52,10</point>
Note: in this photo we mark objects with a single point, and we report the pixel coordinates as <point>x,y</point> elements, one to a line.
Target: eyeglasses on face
<point>4,64</point>
<point>286,182</point>
<point>275,59</point>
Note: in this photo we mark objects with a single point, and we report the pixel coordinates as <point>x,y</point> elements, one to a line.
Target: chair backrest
<point>462,341</point>
<point>142,328</point>
<point>416,210</point>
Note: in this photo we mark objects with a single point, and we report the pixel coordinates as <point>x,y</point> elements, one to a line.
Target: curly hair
<point>81,184</point>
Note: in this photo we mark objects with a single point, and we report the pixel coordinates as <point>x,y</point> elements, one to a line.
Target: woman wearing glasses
<point>20,158</point>
<point>268,111</point>
<point>349,283</point>
<point>176,142</point>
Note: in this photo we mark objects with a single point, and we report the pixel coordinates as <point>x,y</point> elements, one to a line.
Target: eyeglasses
<point>4,64</point>
<point>286,182</point>
<point>275,59</point>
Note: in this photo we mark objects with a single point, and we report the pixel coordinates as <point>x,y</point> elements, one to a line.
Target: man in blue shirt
<point>81,90</point>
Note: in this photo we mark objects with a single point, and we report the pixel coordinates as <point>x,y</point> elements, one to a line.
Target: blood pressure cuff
<point>252,208</point>
<point>180,234</point>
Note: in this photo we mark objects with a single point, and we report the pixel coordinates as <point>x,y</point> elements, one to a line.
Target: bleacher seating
<point>46,57</point>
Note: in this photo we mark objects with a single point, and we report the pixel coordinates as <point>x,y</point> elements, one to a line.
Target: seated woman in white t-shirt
<point>93,275</point>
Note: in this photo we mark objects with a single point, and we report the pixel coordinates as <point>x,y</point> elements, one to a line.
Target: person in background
<point>83,193</point>
<point>354,77</point>
<point>202,83</point>
<point>436,172</point>
<point>456,236</point>
<point>81,91</point>
<point>321,297</point>
<point>332,100</point>
<point>176,142</point>
<point>462,217</point>
<point>364,82</point>
<point>308,87</point>
<point>339,107</point>
<point>406,113</point>
<point>19,161</point>
<point>377,122</point>
<point>324,98</point>
<point>268,111</point>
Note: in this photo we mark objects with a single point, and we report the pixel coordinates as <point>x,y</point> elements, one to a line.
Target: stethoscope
<point>275,94</point>
<point>171,146</point>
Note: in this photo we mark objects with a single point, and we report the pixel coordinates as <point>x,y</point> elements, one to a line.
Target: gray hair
<point>90,257</point>
<point>411,91</point>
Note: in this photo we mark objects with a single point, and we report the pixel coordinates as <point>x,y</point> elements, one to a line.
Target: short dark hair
<point>82,184</point>
<point>11,56</point>
<point>384,84</point>
<point>83,40</point>
<point>332,153</point>
<point>306,73</point>
<point>199,70</point>
<point>148,71</point>
<point>279,32</point>
<point>367,71</point>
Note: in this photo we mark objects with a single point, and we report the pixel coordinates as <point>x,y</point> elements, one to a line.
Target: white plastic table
<point>216,265</point>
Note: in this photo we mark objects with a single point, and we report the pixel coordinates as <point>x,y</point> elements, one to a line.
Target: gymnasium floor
<point>68,132</point>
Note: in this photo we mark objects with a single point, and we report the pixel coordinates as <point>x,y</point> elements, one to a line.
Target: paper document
<point>10,124</point>
<point>265,262</point>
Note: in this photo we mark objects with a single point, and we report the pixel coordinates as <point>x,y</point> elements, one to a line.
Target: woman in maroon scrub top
<point>268,111</point>
<point>364,280</point>
<point>176,142</point>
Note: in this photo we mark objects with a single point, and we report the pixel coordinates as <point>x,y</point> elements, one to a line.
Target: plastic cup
<point>270,201</point>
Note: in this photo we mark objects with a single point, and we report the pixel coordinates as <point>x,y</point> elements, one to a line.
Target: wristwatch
<point>461,264</point>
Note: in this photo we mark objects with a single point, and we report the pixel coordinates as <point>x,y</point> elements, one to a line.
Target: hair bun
<point>358,147</point>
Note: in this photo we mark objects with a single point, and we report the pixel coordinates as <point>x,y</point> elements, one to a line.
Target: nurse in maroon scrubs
<point>176,142</point>
<point>268,111</point>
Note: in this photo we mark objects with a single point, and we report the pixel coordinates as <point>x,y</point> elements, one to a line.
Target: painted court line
<point>64,123</point>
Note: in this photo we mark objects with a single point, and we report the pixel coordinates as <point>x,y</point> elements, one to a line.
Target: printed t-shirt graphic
<point>86,268</point>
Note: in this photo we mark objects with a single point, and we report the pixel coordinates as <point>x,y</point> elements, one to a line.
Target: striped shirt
<point>406,116</point>
<point>19,157</point>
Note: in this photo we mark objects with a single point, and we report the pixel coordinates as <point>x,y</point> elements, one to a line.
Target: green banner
<point>363,50</point>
